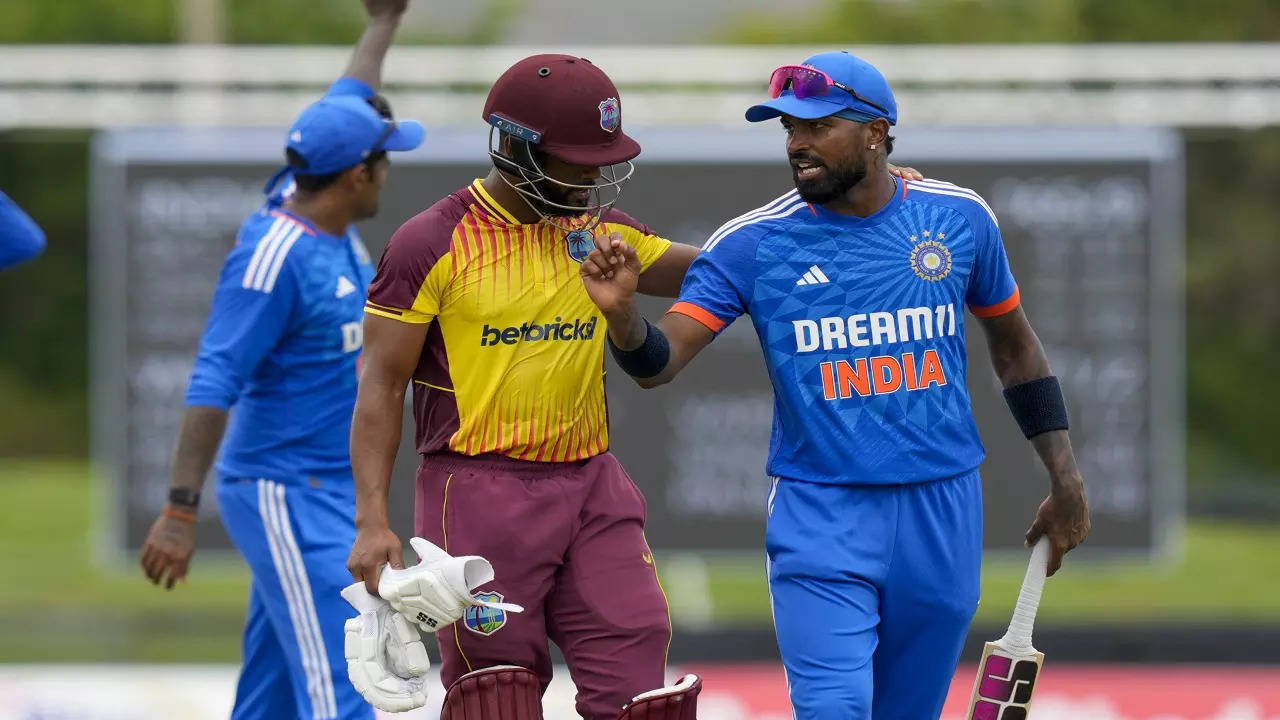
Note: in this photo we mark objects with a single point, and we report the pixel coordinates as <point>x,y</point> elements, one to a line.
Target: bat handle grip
<point>1024,613</point>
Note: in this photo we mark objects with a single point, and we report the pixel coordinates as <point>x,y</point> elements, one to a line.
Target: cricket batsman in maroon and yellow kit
<point>478,306</point>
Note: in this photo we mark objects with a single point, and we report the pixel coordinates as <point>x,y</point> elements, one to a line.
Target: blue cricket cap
<point>341,131</point>
<point>849,70</point>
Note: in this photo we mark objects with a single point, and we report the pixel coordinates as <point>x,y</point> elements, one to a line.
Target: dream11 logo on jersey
<point>881,374</point>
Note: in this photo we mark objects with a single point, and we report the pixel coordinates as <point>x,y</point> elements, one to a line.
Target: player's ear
<point>877,133</point>
<point>357,176</point>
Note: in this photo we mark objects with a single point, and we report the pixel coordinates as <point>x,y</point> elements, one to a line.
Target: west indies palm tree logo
<point>610,114</point>
<point>580,243</point>
<point>485,620</point>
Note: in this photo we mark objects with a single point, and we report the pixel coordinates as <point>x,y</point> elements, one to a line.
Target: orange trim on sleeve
<point>1000,308</point>
<point>713,323</point>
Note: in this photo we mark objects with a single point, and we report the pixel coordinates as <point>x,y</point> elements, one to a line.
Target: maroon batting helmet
<point>569,109</point>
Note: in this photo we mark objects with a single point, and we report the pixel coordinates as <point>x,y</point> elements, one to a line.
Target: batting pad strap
<point>647,360</point>
<point>1037,405</point>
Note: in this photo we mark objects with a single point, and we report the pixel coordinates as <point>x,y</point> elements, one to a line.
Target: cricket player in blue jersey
<point>20,237</point>
<point>281,349</point>
<point>856,283</point>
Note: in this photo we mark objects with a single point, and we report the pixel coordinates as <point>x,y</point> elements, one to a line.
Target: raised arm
<point>371,49</point>
<point>1035,399</point>
<point>391,351</point>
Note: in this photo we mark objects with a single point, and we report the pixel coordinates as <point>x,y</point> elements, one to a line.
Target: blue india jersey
<point>282,343</point>
<point>862,325</point>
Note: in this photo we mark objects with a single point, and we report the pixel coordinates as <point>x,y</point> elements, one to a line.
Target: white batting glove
<point>386,660</point>
<point>437,591</point>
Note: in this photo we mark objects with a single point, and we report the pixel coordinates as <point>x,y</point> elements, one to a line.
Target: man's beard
<point>834,184</point>
<point>559,195</point>
<point>539,191</point>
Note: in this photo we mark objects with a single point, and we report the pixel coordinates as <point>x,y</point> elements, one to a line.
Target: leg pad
<point>674,702</point>
<point>502,692</point>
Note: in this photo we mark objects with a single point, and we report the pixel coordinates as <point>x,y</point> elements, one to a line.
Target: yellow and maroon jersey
<point>514,358</point>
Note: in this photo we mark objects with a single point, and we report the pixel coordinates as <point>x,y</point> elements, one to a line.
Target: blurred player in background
<point>856,283</point>
<point>477,305</point>
<point>281,346</point>
<point>21,239</point>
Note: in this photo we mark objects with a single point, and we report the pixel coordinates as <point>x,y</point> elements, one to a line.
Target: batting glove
<point>386,660</point>
<point>437,591</point>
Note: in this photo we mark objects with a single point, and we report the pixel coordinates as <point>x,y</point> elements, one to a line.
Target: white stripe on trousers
<point>287,559</point>
<point>768,581</point>
<point>773,614</point>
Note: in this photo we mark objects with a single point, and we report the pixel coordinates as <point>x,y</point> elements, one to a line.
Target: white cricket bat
<point>1009,667</point>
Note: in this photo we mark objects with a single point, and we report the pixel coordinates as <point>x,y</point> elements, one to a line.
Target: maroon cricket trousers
<point>567,542</point>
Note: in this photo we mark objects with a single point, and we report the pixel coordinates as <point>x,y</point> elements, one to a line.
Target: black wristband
<point>647,360</point>
<point>1037,405</point>
<point>184,497</point>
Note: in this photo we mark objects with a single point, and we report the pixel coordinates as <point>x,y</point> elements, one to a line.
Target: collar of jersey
<point>491,206</point>
<point>307,227</point>
<point>895,202</point>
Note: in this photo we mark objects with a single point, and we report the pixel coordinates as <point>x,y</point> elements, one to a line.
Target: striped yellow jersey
<point>513,361</point>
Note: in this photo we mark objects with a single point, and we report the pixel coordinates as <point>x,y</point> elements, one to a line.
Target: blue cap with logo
<point>858,92</point>
<point>341,131</point>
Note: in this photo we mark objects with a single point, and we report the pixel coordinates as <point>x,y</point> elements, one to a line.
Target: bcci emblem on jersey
<point>610,114</point>
<point>580,243</point>
<point>930,260</point>
<point>485,620</point>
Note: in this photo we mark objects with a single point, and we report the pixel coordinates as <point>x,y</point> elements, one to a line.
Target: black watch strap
<point>185,497</point>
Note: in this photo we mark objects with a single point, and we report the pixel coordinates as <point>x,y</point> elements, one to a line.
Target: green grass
<point>1229,572</point>
<point>58,605</point>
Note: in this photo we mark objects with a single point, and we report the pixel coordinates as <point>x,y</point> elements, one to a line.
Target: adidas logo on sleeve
<point>813,276</point>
